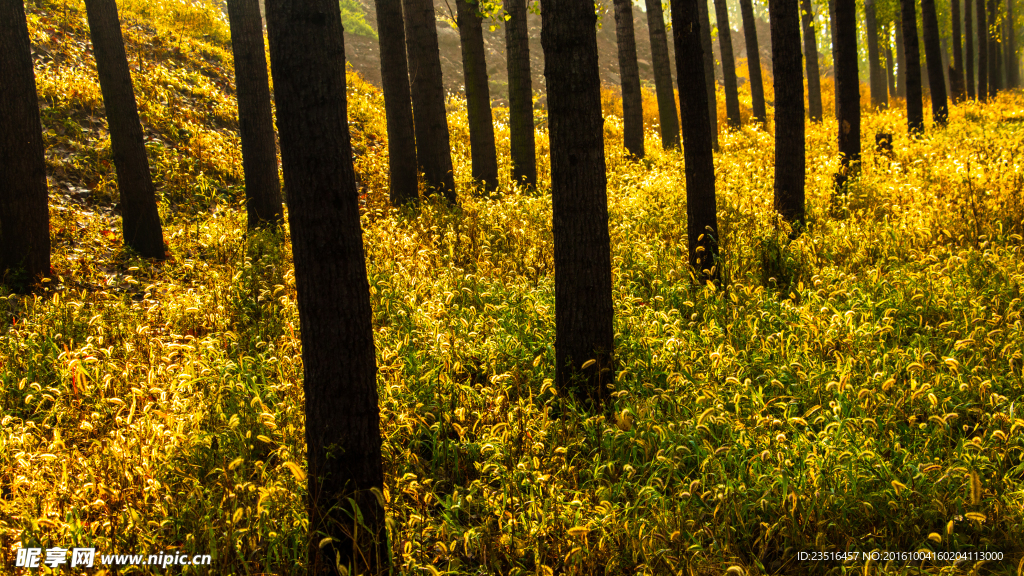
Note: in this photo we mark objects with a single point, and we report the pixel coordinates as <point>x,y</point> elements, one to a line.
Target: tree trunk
<point>957,76</point>
<point>925,81</point>
<point>668,118</point>
<point>732,98</point>
<point>433,149</point>
<point>811,59</point>
<point>702,214</point>
<point>901,61</point>
<point>969,48</point>
<point>994,81</point>
<point>583,270</point>
<point>915,114</point>
<point>629,74</point>
<point>932,47</point>
<point>890,73</point>
<point>394,73</point>
<point>754,62</point>
<point>944,51</point>
<point>709,71</point>
<point>140,218</point>
<point>982,38</point>
<point>1012,64</point>
<point>879,98</point>
<point>255,121</point>
<point>478,97</point>
<point>789,110</point>
<point>24,215</point>
<point>520,95</point>
<point>343,440</point>
<point>844,49</point>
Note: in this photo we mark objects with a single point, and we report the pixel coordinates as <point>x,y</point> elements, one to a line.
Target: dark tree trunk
<point>702,214</point>
<point>982,37</point>
<point>255,122</point>
<point>24,215</point>
<point>1012,65</point>
<point>789,109</point>
<point>932,47</point>
<point>343,440</point>
<point>629,74</point>
<point>140,218</point>
<point>879,97</point>
<point>667,115</point>
<point>520,95</point>
<point>922,60</point>
<point>844,50</point>
<point>433,148</point>
<point>901,61</point>
<point>394,73</point>
<point>732,98</point>
<point>478,95</point>
<point>709,71</point>
<point>890,73</point>
<point>994,83</point>
<point>915,114</point>
<point>957,77</point>
<point>811,59</point>
<point>754,61</point>
<point>583,270</point>
<point>969,48</point>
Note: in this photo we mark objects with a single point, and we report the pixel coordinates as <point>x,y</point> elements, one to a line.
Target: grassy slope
<point>840,393</point>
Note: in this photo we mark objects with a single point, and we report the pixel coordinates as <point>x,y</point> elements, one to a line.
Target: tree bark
<point>255,121</point>
<point>982,37</point>
<point>879,97</point>
<point>394,73</point>
<point>1012,64</point>
<point>930,23</point>
<point>915,114</point>
<point>732,98</point>
<point>754,62</point>
<point>844,49</point>
<point>702,214</point>
<point>901,61</point>
<point>583,279</point>
<point>969,48</point>
<point>994,81</point>
<point>811,59</point>
<point>24,214</point>
<point>478,97</point>
<point>789,110</point>
<point>629,75</point>
<point>140,217</point>
<point>890,73</point>
<point>709,71</point>
<point>668,118</point>
<point>956,79</point>
<point>433,148</point>
<point>343,440</point>
<point>520,95</point>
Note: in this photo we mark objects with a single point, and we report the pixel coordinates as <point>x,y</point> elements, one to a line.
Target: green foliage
<point>353,18</point>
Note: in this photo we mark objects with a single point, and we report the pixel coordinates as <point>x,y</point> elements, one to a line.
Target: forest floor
<point>856,389</point>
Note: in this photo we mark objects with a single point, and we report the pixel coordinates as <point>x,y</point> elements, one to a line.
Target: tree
<point>1012,65</point>
<point>811,58</point>
<point>754,61</point>
<point>140,218</point>
<point>957,75</point>
<point>709,70</point>
<point>969,48</point>
<point>343,440</point>
<point>478,97</point>
<point>629,74</point>
<point>890,70</point>
<point>255,121</point>
<point>879,97</point>
<point>732,98</point>
<point>915,115</point>
<point>844,50</point>
<point>520,95</point>
<point>994,81</point>
<point>668,118</point>
<point>584,333</point>
<point>702,213</point>
<point>789,109</point>
<point>24,215</point>
<point>982,37</point>
<point>901,61</point>
<point>433,148</point>
<point>930,24</point>
<point>394,73</point>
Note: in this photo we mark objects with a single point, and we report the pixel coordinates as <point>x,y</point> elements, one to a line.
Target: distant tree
<point>754,61</point>
<point>255,120</point>
<point>709,70</point>
<point>732,98</point>
<point>140,218</point>
<point>879,96</point>
<point>394,72</point>
<point>890,69</point>
<point>667,116</point>
<point>478,96</point>
<point>520,95</point>
<point>24,215</point>
<point>994,81</point>
<point>912,54</point>
<point>790,163</point>
<point>811,58</point>
<point>433,147</point>
<point>629,75</point>
<point>702,213</point>
<point>584,333</point>
<point>343,440</point>
<point>956,78</point>
<point>969,48</point>
<point>1012,65</point>
<point>844,50</point>
<point>901,60</point>
<point>982,38</point>
<point>932,48</point>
